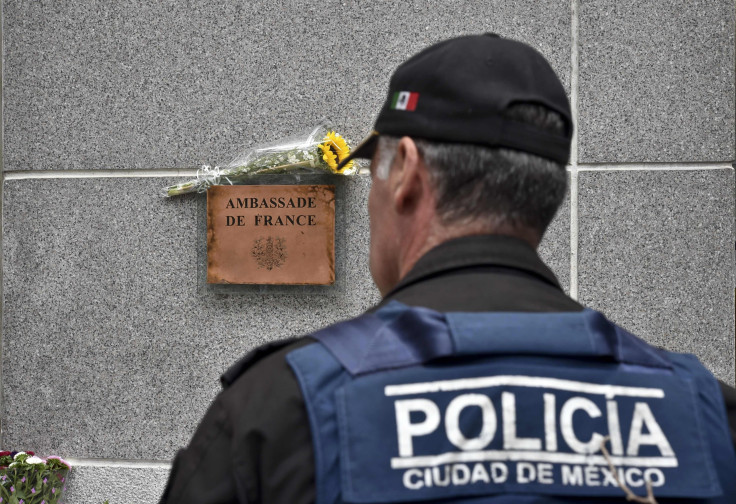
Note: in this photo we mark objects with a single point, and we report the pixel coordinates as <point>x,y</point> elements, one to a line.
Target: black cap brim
<point>364,150</point>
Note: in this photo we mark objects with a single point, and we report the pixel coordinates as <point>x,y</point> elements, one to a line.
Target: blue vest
<point>409,405</point>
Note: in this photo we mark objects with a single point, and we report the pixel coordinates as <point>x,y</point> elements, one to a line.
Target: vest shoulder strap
<point>400,336</point>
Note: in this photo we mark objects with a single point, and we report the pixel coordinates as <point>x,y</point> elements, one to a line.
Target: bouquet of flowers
<point>28,479</point>
<point>320,150</point>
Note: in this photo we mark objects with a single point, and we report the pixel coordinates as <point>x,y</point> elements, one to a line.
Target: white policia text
<point>523,460</point>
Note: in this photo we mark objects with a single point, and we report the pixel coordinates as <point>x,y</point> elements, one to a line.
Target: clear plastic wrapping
<point>318,150</point>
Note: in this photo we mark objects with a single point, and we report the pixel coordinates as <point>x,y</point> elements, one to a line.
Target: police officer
<point>476,377</point>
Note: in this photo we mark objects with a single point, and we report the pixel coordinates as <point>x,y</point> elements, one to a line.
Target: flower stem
<point>276,169</point>
<point>180,189</point>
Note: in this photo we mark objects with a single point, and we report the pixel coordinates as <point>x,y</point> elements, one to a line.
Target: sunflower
<point>334,149</point>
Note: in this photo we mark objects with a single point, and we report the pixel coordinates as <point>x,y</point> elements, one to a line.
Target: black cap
<point>457,91</point>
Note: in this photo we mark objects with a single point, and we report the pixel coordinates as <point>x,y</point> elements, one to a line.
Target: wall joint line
<point>122,463</point>
<point>574,73</point>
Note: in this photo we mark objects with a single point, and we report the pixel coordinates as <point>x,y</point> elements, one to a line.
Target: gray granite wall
<point>111,344</point>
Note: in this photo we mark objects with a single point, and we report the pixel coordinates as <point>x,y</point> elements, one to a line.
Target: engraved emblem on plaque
<point>269,252</point>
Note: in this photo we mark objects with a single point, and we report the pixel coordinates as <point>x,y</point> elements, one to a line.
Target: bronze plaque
<point>268,234</point>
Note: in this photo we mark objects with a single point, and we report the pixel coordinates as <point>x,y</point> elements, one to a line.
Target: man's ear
<point>408,177</point>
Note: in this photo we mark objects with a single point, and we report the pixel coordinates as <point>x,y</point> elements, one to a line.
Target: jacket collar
<point>474,251</point>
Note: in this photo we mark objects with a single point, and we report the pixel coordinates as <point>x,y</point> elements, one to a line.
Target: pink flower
<point>53,490</point>
<point>54,457</point>
<point>12,489</point>
<point>23,479</point>
<point>33,490</point>
<point>44,481</point>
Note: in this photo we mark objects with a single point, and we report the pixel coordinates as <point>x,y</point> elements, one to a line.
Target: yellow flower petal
<point>335,149</point>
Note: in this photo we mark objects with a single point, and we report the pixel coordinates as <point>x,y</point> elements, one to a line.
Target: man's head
<point>473,138</point>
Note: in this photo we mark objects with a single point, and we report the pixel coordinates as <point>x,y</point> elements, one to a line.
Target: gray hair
<point>500,186</point>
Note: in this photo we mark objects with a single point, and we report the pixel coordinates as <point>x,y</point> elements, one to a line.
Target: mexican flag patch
<point>404,100</point>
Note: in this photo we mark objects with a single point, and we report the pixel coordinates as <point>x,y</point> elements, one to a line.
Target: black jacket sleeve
<point>729,397</point>
<point>254,444</point>
<point>203,472</point>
